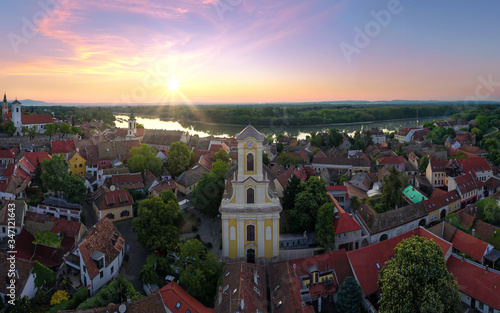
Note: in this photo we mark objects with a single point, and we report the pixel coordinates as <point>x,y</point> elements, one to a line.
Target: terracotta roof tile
<point>36,119</point>
<point>474,247</point>
<point>62,146</point>
<point>23,270</point>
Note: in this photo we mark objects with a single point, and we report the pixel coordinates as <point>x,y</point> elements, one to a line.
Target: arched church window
<point>250,233</point>
<point>250,195</point>
<point>250,165</point>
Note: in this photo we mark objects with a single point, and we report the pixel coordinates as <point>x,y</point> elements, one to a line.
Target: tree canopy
<point>394,184</point>
<point>349,296</point>
<point>325,232</point>
<point>144,158</point>
<point>221,155</point>
<point>55,172</point>
<point>208,193</point>
<point>417,280</point>
<point>154,224</point>
<point>44,275</point>
<point>334,138</point>
<point>311,195</point>
<point>424,161</point>
<point>290,192</point>
<point>179,158</point>
<point>74,189</point>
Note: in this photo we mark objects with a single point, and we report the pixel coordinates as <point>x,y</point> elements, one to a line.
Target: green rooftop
<point>412,195</point>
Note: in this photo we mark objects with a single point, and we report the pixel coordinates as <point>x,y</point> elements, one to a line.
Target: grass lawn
<point>186,224</point>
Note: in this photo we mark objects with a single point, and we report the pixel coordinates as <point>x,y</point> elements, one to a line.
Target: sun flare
<point>173,85</point>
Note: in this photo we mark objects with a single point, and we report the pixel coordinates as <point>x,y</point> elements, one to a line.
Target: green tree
<point>32,132</point>
<point>424,162</point>
<point>287,160</point>
<point>179,158</point>
<point>290,192</point>
<point>220,167</point>
<point>394,184</point>
<point>65,129</point>
<point>349,297</point>
<point>44,276</point>
<point>24,130</point>
<point>154,224</point>
<point>221,155</point>
<point>265,159</point>
<point>311,196</point>
<point>279,147</point>
<point>37,175</point>
<point>74,189</point>
<point>54,173</point>
<point>417,280</point>
<point>489,210</point>
<point>50,130</point>
<point>144,158</point>
<point>200,271</point>
<point>9,128</point>
<point>325,232</point>
<point>335,138</point>
<point>169,195</point>
<point>482,122</point>
<point>207,194</point>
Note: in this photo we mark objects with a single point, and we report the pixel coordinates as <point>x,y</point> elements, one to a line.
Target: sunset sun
<point>173,84</point>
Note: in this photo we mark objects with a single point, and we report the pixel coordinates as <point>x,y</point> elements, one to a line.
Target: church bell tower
<point>250,209</point>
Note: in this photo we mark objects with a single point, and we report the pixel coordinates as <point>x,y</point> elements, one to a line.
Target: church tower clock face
<point>250,144</point>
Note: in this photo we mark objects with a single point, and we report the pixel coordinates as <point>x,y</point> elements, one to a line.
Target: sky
<point>231,51</point>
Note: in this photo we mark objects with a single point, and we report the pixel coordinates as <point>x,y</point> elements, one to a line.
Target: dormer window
<point>98,258</point>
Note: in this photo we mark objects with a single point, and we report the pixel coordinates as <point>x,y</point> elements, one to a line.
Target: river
<point>204,130</point>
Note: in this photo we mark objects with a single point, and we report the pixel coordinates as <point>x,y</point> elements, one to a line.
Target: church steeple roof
<point>250,131</point>
<point>4,97</point>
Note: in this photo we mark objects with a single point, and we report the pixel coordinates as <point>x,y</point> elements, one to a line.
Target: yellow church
<point>250,209</point>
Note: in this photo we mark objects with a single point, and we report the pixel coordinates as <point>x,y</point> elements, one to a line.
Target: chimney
<point>294,269</point>
<point>463,258</point>
<point>473,232</point>
<point>486,268</point>
<point>220,295</point>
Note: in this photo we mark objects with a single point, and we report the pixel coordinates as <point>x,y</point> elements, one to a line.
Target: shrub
<point>58,297</point>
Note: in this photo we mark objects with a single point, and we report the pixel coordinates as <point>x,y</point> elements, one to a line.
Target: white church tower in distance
<point>132,127</point>
<point>250,209</point>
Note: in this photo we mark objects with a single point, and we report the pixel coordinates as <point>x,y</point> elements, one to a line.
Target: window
<point>102,274</point>
<point>250,233</point>
<point>250,166</point>
<point>81,165</point>
<point>84,269</point>
<point>3,230</point>
<point>75,165</point>
<point>111,216</point>
<point>178,305</point>
<point>124,213</point>
<point>250,195</point>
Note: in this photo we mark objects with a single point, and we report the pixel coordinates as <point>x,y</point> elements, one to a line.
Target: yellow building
<point>250,209</point>
<point>77,164</point>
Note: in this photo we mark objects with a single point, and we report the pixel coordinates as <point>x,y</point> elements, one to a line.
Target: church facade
<point>20,120</point>
<point>250,209</point>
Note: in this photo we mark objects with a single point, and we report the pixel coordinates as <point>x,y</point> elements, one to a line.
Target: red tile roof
<point>33,156</point>
<point>172,293</point>
<point>474,247</point>
<point>131,181</point>
<point>474,281</point>
<point>9,154</point>
<point>364,261</point>
<point>165,185</point>
<point>465,219</point>
<point>437,166</point>
<point>343,222</point>
<point>468,182</point>
<point>392,160</point>
<point>437,192</point>
<point>474,165</point>
<point>110,199</point>
<point>36,119</point>
<point>105,238</point>
<point>62,146</point>
<point>440,201</point>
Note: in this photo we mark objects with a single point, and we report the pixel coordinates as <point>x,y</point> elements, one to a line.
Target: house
<point>412,195</point>
<point>319,276</point>
<point>129,181</point>
<point>367,262</point>
<point>475,150</point>
<point>398,162</point>
<point>59,208</point>
<point>478,166</point>
<point>478,284</point>
<point>13,182</point>
<point>100,255</point>
<point>115,204</point>
<point>287,175</point>
<point>188,180</point>
<point>165,185</point>
<point>163,139</point>
<point>341,196</point>
<point>414,160</point>
<point>382,226</point>
<point>348,232</point>
<point>105,173</point>
<point>491,186</point>
<point>468,186</point>
<point>90,154</point>
<point>331,175</point>
<point>285,287</point>
<point>244,286</point>
<point>436,173</point>
<point>176,299</point>
<point>8,156</point>
<point>405,134</point>
<point>441,205</point>
<point>77,164</point>
<point>378,137</point>
<point>19,285</point>
<point>12,211</point>
<point>455,124</point>
<point>353,165</point>
<point>48,252</point>
<point>163,155</point>
<point>62,147</point>
<point>420,135</point>
<point>463,242</point>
